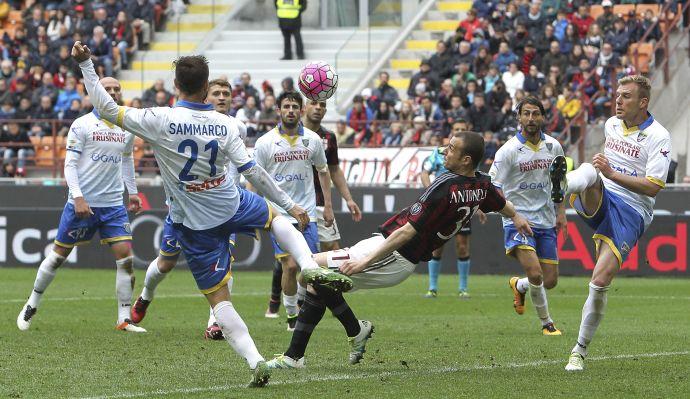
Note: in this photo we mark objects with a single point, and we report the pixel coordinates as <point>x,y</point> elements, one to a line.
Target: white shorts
<point>326,234</point>
<point>388,272</point>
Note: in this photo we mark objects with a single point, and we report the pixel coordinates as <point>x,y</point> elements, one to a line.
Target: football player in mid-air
<point>98,161</point>
<point>521,170</point>
<point>615,195</point>
<point>390,256</point>
<point>193,145</point>
<point>219,95</point>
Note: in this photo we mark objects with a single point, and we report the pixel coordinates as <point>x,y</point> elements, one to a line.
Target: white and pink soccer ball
<point>318,81</point>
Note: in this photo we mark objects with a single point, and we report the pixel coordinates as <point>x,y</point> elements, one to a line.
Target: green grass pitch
<point>423,348</point>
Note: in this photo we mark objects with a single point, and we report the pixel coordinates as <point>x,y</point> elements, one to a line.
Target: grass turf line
<point>423,348</point>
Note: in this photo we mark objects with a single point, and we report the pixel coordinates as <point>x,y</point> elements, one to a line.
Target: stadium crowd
<point>501,52</point>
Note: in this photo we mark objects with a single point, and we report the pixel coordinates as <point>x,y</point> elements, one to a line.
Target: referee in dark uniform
<point>290,22</point>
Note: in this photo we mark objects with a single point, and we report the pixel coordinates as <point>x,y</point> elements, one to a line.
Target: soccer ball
<point>318,81</point>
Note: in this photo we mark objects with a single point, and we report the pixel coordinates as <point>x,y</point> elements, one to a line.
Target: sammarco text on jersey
<point>193,129</point>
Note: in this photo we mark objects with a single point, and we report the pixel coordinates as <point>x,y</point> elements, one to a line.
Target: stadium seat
<point>44,152</point>
<point>61,143</point>
<point>596,11</point>
<point>644,57</point>
<point>36,141</point>
<point>623,9</point>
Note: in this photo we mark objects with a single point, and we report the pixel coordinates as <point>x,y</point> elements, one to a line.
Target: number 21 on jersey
<point>194,153</point>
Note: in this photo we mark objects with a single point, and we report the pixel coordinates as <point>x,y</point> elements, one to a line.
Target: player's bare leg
<point>534,283</point>
<point>289,284</point>
<point>124,285</point>
<point>593,310</point>
<point>44,276</point>
<point>237,334</point>
<point>462,249</point>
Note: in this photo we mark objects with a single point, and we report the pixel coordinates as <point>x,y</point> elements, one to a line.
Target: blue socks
<point>463,272</point>
<point>434,270</point>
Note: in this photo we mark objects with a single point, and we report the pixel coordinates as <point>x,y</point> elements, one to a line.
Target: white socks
<point>290,303</point>
<point>581,178</point>
<point>153,278</point>
<point>124,285</point>
<point>301,292</point>
<point>44,276</point>
<point>236,333</point>
<point>522,285</point>
<point>592,313</point>
<point>538,295</point>
<point>211,317</point>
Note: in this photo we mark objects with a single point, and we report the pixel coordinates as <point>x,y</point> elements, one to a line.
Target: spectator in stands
<point>268,115</point>
<point>385,92</point>
<point>287,84</point>
<point>21,89</point>
<point>490,148</point>
<point>249,114</point>
<point>34,22</point>
<point>470,24</point>
<point>424,72</point>
<point>519,39</point>
<point>491,78</point>
<point>136,103</point>
<point>358,118</point>
<point>576,54</point>
<point>81,24</point>
<point>149,96</point>
<point>431,114</point>
<point>57,19</point>
<point>444,95</point>
<point>248,89</point>
<point>571,39</point>
<point>414,134</point>
<point>496,39</point>
<point>497,96</point>
<point>101,51</point>
<point>69,116</point>
<point>141,13</point>
<point>16,144</point>
<point>344,133</point>
<point>113,8</point>
<point>533,81</point>
<point>45,111</point>
<point>383,117</point>
<point>65,58</point>
<point>513,79</point>
<point>462,76</point>
<point>394,135</point>
<point>554,123</point>
<point>482,62</point>
<point>45,59</point>
<point>554,58</point>
<point>543,41</point>
<point>122,35</point>
<point>25,109</point>
<point>594,36</point>
<point>162,99</point>
<point>7,109</point>
<point>530,57</point>
<point>8,170</point>
<point>607,60</point>
<point>482,8</point>
<point>504,57</point>
<point>605,20</point>
<point>454,114</point>
<point>6,70</point>
<point>535,20</point>
<point>481,117</point>
<point>619,37</point>
<point>67,94</point>
<point>464,54</point>
<point>442,61</point>
<point>648,22</point>
<point>582,20</point>
<point>568,103</point>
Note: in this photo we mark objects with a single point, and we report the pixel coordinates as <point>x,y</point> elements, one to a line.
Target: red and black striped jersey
<point>441,211</point>
<point>330,144</point>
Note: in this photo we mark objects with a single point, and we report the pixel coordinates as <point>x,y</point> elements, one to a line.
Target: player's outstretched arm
<point>638,185</point>
<point>521,224</point>
<point>264,184</point>
<point>392,243</point>
<point>142,122</point>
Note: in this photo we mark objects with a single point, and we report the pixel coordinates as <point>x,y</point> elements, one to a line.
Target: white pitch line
<point>363,292</point>
<point>363,376</point>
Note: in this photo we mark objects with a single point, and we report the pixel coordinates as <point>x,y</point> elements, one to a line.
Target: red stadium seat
<point>596,11</point>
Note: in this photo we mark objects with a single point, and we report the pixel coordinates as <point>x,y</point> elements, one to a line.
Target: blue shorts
<point>111,222</point>
<point>170,248</point>
<point>208,251</point>
<point>544,242</point>
<point>311,235</point>
<point>614,222</point>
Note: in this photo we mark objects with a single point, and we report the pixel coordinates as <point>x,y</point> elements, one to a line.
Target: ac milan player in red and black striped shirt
<point>410,236</point>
